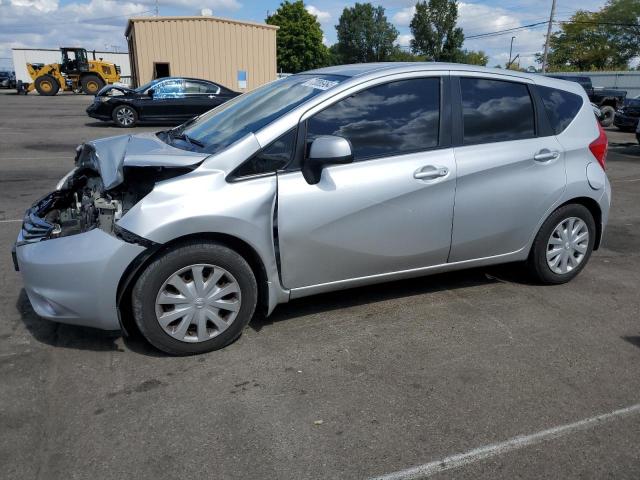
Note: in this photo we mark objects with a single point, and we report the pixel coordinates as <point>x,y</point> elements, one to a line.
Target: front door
<point>508,175</point>
<point>391,210</point>
<point>167,103</point>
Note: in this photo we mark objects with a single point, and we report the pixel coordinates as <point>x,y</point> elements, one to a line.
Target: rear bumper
<point>75,279</point>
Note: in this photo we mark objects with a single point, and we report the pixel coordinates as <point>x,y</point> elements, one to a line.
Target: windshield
<point>147,86</point>
<point>248,113</point>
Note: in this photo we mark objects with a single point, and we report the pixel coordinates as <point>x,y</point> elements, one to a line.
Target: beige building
<point>239,55</point>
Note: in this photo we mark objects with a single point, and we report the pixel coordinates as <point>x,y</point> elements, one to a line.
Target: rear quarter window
<point>561,107</point>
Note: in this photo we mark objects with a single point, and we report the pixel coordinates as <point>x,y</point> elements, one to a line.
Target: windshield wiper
<point>187,138</point>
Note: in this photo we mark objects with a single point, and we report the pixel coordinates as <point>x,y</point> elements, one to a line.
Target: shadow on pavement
<point>77,337</point>
<point>511,273</point>
<point>633,339</point>
<point>85,338</point>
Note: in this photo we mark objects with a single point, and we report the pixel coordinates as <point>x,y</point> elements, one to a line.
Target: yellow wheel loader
<point>75,73</point>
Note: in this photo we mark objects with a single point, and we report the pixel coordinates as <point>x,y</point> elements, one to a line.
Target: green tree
<point>402,55</point>
<point>299,39</point>
<point>603,40</point>
<point>472,57</point>
<point>365,35</point>
<point>434,30</point>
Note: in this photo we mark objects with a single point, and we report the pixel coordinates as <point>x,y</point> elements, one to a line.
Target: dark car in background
<point>164,100</point>
<point>607,99</point>
<point>626,118</point>
<point>7,79</point>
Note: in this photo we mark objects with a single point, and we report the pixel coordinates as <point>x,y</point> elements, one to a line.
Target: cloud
<point>322,16</point>
<point>404,40</point>
<point>403,17</point>
<point>93,24</point>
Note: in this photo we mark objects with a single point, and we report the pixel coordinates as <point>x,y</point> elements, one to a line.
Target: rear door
<point>510,171</point>
<point>201,96</point>
<point>390,210</point>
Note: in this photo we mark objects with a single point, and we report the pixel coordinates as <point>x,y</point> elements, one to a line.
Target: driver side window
<point>169,89</point>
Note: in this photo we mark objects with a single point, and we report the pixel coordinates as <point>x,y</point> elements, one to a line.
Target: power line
<point>508,30</point>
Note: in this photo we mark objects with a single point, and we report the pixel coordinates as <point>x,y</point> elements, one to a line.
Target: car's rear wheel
<point>563,245</point>
<point>125,116</point>
<point>608,112</point>
<point>195,298</point>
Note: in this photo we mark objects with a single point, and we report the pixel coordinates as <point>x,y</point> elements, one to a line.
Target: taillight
<point>599,147</point>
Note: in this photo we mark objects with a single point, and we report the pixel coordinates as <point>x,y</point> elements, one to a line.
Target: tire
<point>47,85</point>
<point>91,84</point>
<point>608,112</point>
<point>196,326</point>
<point>125,116</point>
<point>547,242</point>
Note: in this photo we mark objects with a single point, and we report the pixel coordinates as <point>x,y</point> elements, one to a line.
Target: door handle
<point>545,155</point>
<point>429,172</point>
<point>212,96</point>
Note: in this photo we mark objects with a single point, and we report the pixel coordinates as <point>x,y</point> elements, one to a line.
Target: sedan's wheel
<point>198,302</point>
<point>125,116</point>
<point>563,245</point>
<point>195,298</point>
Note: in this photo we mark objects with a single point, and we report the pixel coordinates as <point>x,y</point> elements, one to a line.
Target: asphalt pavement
<point>353,384</point>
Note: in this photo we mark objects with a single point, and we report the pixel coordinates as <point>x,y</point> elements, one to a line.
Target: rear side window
<point>496,111</point>
<point>391,119</point>
<point>561,107</point>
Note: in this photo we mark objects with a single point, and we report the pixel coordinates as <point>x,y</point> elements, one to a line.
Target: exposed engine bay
<point>110,176</point>
<point>82,203</point>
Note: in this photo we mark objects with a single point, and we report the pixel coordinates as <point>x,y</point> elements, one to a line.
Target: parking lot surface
<point>354,384</point>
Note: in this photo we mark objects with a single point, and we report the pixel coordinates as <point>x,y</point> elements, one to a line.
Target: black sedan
<point>165,100</point>
<point>627,117</point>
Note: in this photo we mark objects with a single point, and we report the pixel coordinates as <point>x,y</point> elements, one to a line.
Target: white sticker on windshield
<point>320,83</point>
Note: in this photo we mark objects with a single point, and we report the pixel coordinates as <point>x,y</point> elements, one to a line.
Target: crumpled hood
<point>108,156</point>
<point>107,89</point>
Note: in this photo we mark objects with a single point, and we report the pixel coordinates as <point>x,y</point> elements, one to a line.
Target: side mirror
<point>325,150</point>
<point>150,92</point>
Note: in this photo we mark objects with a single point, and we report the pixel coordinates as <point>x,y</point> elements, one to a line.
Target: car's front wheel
<point>125,116</point>
<point>195,298</point>
<point>563,245</point>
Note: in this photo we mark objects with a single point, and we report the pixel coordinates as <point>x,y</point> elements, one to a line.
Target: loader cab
<point>74,60</point>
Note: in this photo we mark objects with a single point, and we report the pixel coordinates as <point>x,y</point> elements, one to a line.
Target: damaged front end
<point>109,178</point>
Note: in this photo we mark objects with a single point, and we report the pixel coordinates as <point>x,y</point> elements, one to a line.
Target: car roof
<point>360,69</point>
<point>185,78</point>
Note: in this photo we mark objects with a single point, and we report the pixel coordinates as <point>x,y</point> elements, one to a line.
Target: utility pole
<point>546,43</point>
<point>510,52</point>
<point>158,9</point>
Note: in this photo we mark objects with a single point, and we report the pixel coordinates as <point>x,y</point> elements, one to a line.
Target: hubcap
<point>46,86</point>
<point>198,302</point>
<point>125,116</point>
<point>567,245</point>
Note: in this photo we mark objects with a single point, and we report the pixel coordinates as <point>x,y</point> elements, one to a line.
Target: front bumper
<point>74,279</point>
<point>98,110</point>
<point>624,121</point>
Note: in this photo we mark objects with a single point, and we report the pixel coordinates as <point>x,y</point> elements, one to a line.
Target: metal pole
<point>157,9</point>
<point>510,52</point>
<point>546,43</point>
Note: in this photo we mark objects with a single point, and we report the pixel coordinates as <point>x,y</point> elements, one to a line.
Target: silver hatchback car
<point>320,181</point>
